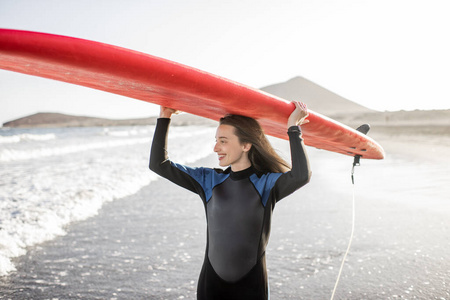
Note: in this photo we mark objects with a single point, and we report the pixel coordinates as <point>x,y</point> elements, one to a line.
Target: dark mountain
<point>316,97</point>
<point>62,120</point>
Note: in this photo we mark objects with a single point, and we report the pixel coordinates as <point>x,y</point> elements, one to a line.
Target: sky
<point>383,54</point>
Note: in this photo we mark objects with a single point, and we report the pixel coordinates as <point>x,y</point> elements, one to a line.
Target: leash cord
<point>351,237</point>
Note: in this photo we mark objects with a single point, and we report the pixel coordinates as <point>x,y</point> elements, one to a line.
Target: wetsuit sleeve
<point>300,173</point>
<point>160,163</point>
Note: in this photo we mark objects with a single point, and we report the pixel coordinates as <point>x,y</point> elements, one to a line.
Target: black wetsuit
<point>238,212</point>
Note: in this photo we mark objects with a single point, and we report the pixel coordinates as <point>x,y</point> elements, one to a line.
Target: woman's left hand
<point>298,116</point>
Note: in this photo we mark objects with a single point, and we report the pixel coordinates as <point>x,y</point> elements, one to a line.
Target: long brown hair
<point>262,155</point>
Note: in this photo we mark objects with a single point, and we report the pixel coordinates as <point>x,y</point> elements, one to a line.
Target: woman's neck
<point>242,164</point>
<point>242,173</point>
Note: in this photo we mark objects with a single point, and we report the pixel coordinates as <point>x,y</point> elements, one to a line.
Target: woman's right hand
<point>166,112</point>
<point>298,116</point>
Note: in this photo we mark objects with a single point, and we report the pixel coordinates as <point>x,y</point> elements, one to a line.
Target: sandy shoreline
<point>424,143</point>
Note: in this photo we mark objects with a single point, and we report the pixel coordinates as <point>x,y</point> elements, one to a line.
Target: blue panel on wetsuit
<point>207,178</point>
<point>264,184</point>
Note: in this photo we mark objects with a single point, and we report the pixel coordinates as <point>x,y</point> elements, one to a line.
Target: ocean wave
<point>26,137</point>
<point>40,197</point>
<point>121,138</point>
<point>126,133</point>
<point>7,155</point>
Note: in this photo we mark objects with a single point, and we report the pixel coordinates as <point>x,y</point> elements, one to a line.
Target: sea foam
<point>26,137</point>
<point>50,179</point>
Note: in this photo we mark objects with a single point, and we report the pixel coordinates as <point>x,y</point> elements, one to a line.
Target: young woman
<point>238,200</point>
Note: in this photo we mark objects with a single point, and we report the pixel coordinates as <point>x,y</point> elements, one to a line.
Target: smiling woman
<point>238,200</point>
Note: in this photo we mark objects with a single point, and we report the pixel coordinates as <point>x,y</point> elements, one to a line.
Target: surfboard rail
<point>156,80</point>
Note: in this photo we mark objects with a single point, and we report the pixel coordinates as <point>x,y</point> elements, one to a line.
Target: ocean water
<point>50,178</point>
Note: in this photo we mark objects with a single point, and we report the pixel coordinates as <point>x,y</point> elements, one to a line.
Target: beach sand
<point>151,245</point>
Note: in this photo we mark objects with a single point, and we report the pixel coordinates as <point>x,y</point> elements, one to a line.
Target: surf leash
<point>356,162</point>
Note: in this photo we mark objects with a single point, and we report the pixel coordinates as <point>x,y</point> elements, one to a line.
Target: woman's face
<point>229,149</point>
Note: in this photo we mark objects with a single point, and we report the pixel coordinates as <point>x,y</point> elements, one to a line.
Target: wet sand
<point>151,245</point>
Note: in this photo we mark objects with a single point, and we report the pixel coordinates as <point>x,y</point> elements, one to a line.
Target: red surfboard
<point>152,79</point>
